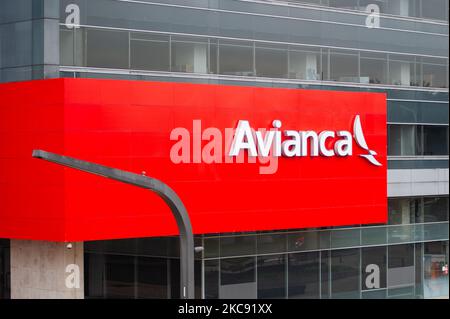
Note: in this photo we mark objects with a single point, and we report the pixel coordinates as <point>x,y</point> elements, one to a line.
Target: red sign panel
<point>320,158</point>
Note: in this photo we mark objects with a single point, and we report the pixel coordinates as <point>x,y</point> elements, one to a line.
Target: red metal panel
<point>127,125</point>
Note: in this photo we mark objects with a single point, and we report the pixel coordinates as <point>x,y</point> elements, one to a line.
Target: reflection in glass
<point>436,270</point>
<point>345,273</point>
<point>151,278</point>
<point>304,275</point>
<point>401,276</point>
<point>435,140</point>
<point>237,278</point>
<point>211,279</point>
<point>435,209</point>
<point>119,276</point>
<point>272,276</point>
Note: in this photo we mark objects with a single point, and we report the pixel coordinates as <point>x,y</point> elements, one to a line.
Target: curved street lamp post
<point>156,186</point>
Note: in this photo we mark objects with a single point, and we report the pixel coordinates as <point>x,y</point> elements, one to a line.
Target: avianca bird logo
<point>361,141</point>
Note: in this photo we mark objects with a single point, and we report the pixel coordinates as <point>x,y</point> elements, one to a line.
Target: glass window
<point>236,58</point>
<point>304,63</point>
<point>272,276</point>
<point>374,265</point>
<point>119,276</point>
<point>304,275</point>
<point>404,211</point>
<point>344,66</point>
<point>435,270</point>
<point>434,73</point>
<point>149,52</point>
<point>237,278</point>
<point>402,140</point>
<point>400,269</point>
<point>303,241</point>
<point>373,68</point>
<point>435,140</point>
<point>94,275</point>
<point>213,56</point>
<point>107,49</point>
<point>419,269</point>
<point>271,243</point>
<point>237,245</point>
<point>271,61</point>
<point>151,278</point>
<point>345,273</point>
<point>435,209</point>
<point>211,279</point>
<point>402,70</point>
<point>66,42</point>
<point>435,9</point>
<point>325,274</point>
<point>344,4</point>
<point>189,55</point>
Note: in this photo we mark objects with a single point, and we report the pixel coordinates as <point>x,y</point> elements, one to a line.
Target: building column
<point>46,270</point>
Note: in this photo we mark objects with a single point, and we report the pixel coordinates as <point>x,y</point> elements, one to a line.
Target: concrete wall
<point>39,270</point>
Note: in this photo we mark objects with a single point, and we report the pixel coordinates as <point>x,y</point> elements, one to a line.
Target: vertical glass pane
<point>236,58</point>
<point>149,52</point>
<point>271,61</point>
<point>434,72</point>
<point>436,270</point>
<point>325,274</point>
<point>107,49</point>
<point>373,68</point>
<point>403,140</point>
<point>402,70</point>
<point>5,272</point>
<point>401,211</point>
<point>400,269</point>
<point>304,63</point>
<point>211,279</point>
<point>94,275</point>
<point>304,276</point>
<point>344,67</point>
<point>238,278</point>
<point>436,209</point>
<point>213,56</point>
<point>345,273</point>
<point>373,268</point>
<point>66,42</point>
<point>152,278</point>
<point>272,276</point>
<point>189,55</point>
<point>435,140</point>
<point>120,276</point>
<point>419,269</point>
<point>394,140</point>
<point>211,247</point>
